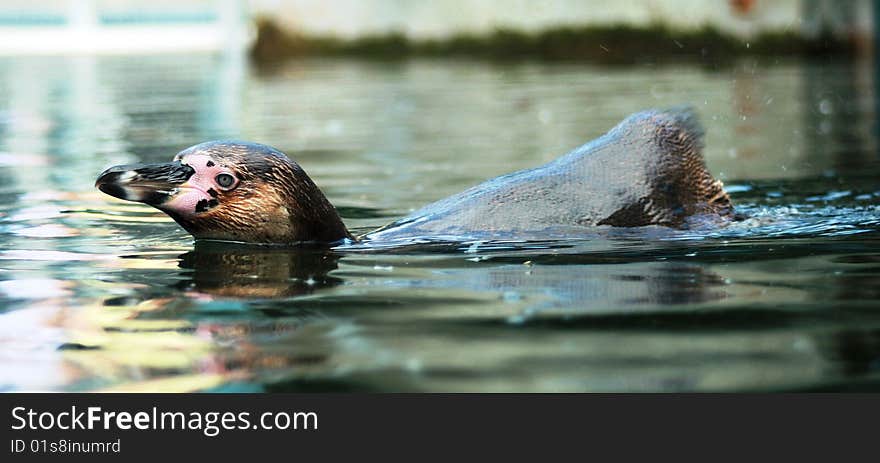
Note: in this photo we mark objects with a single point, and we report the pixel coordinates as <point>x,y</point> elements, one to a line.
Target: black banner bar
<point>38,427</point>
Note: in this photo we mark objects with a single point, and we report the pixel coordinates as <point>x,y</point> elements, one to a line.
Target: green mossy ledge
<point>612,44</point>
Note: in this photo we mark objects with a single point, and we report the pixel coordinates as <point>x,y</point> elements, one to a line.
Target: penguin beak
<point>151,184</point>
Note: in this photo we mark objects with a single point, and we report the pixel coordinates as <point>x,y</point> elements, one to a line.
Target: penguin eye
<point>225,181</point>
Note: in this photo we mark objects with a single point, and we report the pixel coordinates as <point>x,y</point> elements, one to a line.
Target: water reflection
<point>225,270</point>
<point>376,322</point>
<point>854,352</point>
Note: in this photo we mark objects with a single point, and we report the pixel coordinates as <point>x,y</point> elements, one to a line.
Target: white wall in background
<point>441,18</point>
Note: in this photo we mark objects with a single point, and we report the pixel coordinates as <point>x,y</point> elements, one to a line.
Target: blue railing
<point>32,19</point>
<point>140,17</point>
<point>110,19</point>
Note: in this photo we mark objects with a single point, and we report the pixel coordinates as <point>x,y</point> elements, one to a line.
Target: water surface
<point>99,294</point>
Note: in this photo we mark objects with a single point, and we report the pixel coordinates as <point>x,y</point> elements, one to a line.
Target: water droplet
<point>545,116</point>
<point>737,188</point>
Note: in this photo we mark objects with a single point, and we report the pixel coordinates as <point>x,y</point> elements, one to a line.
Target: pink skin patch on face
<point>195,196</point>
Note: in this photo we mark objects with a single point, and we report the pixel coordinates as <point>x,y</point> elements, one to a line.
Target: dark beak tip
<point>111,189</point>
<point>108,175</point>
<point>108,182</point>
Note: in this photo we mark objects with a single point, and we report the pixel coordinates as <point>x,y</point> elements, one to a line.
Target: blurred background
<point>82,67</point>
<point>389,105</point>
<point>54,26</point>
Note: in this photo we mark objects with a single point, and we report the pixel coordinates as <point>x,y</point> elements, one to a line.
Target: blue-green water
<point>99,294</point>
